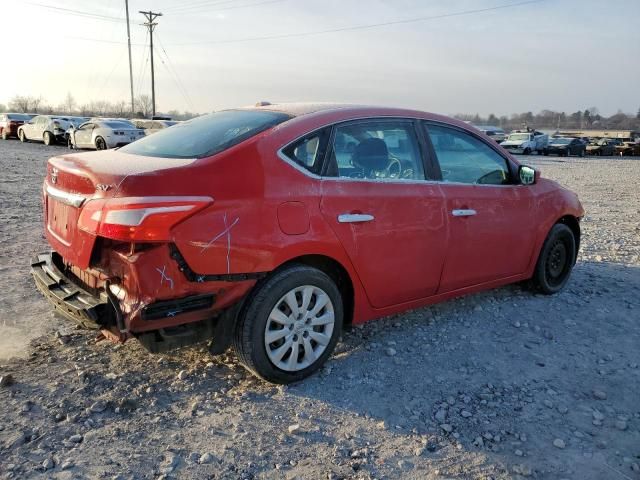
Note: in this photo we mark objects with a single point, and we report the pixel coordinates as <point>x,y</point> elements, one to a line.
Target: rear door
<point>492,219</point>
<point>388,217</point>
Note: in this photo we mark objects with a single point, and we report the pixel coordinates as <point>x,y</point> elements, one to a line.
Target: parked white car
<point>49,129</point>
<point>103,134</point>
<point>526,142</point>
<point>152,126</point>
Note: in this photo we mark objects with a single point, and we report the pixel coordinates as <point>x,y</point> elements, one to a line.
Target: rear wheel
<point>48,138</point>
<point>581,153</point>
<point>101,144</point>
<point>556,260</point>
<point>290,325</point>
<point>5,135</point>
<point>527,151</point>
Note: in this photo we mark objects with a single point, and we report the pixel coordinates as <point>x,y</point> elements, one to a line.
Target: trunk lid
<point>74,180</point>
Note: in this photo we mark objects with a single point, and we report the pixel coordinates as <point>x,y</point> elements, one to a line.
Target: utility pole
<point>126,5</point>
<point>151,25</point>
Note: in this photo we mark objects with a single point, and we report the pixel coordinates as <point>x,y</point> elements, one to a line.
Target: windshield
<point>519,136</point>
<point>561,141</point>
<point>207,135</point>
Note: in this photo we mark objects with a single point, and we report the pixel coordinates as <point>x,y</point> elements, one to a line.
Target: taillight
<point>138,218</point>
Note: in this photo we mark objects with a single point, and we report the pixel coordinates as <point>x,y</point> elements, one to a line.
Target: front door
<point>389,218</point>
<point>490,223</point>
<point>82,135</point>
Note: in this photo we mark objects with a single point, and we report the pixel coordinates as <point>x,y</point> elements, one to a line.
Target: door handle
<point>354,218</point>
<point>463,213</point>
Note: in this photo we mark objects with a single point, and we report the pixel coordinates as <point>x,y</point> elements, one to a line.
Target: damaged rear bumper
<point>69,299</point>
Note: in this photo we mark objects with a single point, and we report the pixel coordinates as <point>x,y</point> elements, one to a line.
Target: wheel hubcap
<point>557,260</point>
<point>299,328</point>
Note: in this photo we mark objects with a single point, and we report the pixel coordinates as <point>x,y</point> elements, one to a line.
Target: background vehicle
<point>604,146</point>
<point>152,126</point>
<point>49,129</point>
<point>628,149</point>
<point>564,147</point>
<point>9,123</point>
<point>496,133</point>
<point>104,134</point>
<point>269,228</point>
<point>526,142</point>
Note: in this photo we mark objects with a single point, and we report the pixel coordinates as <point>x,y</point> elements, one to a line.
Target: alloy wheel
<point>299,328</point>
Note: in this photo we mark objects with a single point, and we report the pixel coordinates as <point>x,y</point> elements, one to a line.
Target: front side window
<point>466,159</point>
<point>376,150</point>
<point>309,151</point>
<point>206,135</point>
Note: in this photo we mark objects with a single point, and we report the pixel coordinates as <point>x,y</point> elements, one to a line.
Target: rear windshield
<point>119,124</point>
<point>206,135</point>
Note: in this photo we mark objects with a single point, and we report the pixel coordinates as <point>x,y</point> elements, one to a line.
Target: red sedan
<point>271,228</point>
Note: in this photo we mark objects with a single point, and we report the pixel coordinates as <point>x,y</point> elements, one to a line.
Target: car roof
<point>341,111</point>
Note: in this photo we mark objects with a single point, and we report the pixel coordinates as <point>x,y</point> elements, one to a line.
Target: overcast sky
<point>556,54</point>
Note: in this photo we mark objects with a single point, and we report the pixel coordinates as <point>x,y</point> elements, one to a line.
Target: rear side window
<point>376,150</point>
<point>207,135</point>
<point>308,152</point>
<point>466,159</point>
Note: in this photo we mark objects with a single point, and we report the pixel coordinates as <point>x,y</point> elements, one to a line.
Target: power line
<point>361,27</point>
<point>78,13</point>
<point>216,9</point>
<point>199,3</point>
<point>179,82</point>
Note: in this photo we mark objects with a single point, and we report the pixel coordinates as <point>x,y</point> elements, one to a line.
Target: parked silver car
<point>152,126</point>
<point>49,129</point>
<point>103,134</point>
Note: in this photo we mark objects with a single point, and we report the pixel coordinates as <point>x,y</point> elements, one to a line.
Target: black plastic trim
<point>209,277</point>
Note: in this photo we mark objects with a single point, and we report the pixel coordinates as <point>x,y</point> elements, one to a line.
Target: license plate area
<point>61,220</point>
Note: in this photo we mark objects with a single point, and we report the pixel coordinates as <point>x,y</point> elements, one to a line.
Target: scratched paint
<point>226,232</point>
<point>164,276</point>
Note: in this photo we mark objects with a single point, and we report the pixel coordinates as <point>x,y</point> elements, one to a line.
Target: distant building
<point>621,134</point>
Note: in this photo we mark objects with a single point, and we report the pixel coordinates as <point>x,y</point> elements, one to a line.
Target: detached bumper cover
<point>68,299</point>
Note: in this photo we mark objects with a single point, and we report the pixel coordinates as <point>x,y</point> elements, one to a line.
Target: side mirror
<point>527,175</point>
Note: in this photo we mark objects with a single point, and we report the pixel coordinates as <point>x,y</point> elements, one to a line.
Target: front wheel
<point>556,260</point>
<point>290,325</point>
<point>527,151</point>
<point>22,136</point>
<point>5,135</point>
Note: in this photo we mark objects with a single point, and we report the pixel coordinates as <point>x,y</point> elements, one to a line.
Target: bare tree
<point>120,109</point>
<point>3,107</point>
<point>69,103</point>
<point>23,104</point>
<point>143,105</point>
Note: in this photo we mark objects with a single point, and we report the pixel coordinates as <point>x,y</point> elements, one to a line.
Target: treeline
<point>97,108</point>
<point>550,119</point>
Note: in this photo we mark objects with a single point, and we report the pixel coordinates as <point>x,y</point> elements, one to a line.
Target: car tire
<point>5,135</point>
<point>48,139</point>
<point>100,144</point>
<point>527,151</point>
<point>581,153</point>
<point>556,260</point>
<point>269,332</point>
<point>22,136</point>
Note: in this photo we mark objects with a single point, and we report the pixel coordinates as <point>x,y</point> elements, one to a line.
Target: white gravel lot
<point>503,384</point>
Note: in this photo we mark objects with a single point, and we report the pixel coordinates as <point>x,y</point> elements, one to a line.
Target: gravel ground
<point>503,384</point>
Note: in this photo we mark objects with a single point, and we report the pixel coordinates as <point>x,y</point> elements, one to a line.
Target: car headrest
<point>371,154</point>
